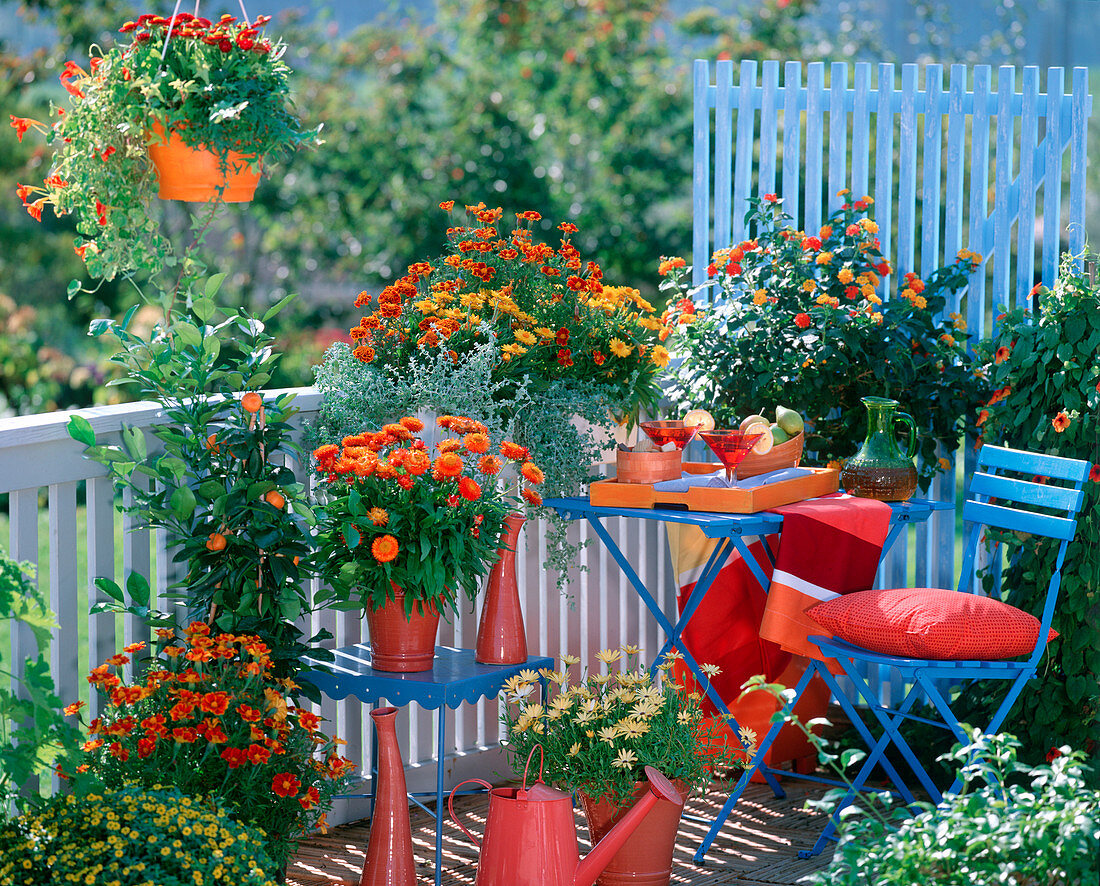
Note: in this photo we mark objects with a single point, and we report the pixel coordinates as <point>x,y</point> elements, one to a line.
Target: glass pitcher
<point>880,469</point>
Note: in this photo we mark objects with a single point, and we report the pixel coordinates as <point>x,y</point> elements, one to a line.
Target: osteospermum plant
<point>401,515</point>
<point>208,716</point>
<point>598,733</point>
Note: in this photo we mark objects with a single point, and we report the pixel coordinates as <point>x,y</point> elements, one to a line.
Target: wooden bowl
<point>647,467</point>
<point>783,455</point>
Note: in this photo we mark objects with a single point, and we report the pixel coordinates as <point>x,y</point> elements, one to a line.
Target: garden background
<point>582,109</point>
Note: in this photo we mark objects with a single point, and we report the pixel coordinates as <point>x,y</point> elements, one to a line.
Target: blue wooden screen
<point>933,159</point>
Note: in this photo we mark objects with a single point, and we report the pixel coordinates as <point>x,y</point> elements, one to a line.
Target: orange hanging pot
<point>197,175</point>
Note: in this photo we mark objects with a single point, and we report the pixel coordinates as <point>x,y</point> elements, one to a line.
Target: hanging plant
<point>217,91</point>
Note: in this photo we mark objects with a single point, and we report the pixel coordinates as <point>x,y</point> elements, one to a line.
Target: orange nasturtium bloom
<point>384,548</point>
<point>1061,421</point>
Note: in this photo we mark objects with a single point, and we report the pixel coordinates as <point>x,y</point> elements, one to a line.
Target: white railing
<point>46,476</point>
<point>40,463</point>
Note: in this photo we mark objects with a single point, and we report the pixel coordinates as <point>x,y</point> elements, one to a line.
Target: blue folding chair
<point>996,500</point>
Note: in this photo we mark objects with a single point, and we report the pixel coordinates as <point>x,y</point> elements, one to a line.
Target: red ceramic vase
<point>645,859</point>
<point>501,636</point>
<point>389,851</point>
<point>402,644</point>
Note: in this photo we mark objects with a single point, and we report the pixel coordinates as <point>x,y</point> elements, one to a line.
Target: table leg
<point>440,750</point>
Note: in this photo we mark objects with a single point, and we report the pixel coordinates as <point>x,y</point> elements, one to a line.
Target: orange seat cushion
<point>930,623</point>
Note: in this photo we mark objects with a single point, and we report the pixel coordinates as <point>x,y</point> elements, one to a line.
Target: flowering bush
<point>547,309</point>
<point>1044,380</point>
<point>397,515</point>
<point>600,733</point>
<point>209,718</point>
<point>220,85</point>
<point>800,320</point>
<point>133,835</point>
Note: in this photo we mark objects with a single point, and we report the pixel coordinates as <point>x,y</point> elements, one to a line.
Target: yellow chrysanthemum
<point>619,348</point>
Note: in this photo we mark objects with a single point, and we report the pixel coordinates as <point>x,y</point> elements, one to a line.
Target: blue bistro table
<point>731,532</point>
<point>454,678</point>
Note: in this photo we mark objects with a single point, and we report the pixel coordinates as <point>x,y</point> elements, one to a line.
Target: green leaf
<point>137,586</point>
<point>183,502</point>
<point>188,334</point>
<point>214,284</point>
<point>133,440</point>
<point>204,309</point>
<point>73,288</point>
<point>278,306</point>
<point>80,429</point>
<point>352,535</point>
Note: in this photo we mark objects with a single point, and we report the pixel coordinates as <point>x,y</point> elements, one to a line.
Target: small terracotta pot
<point>645,859</point>
<point>198,175</point>
<point>647,467</point>
<point>400,644</point>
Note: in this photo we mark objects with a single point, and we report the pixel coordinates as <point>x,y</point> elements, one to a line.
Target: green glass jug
<point>880,470</point>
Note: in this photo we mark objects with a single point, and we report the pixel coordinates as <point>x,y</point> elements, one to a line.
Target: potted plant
<point>803,319</point>
<point>599,733</point>
<point>209,717</point>
<point>524,334</point>
<point>405,529</point>
<point>215,94</point>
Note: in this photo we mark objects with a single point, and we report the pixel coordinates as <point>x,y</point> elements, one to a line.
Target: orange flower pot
<point>401,644</point>
<point>197,175</point>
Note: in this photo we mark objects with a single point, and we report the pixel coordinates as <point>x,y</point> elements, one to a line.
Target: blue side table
<point>454,678</point>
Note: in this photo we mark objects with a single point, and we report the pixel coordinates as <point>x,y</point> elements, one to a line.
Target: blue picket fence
<point>933,158</point>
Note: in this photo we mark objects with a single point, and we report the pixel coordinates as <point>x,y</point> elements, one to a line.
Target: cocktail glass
<point>661,432</point>
<point>731,447</point>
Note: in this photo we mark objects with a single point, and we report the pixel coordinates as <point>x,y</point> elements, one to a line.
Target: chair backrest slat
<point>1023,462</point>
<point>1019,521</point>
<point>1026,492</point>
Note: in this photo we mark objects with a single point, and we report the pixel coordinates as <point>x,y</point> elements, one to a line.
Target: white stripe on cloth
<point>802,586</point>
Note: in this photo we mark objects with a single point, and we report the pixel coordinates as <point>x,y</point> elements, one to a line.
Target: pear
<point>779,435</point>
<point>789,420</point>
<point>751,420</point>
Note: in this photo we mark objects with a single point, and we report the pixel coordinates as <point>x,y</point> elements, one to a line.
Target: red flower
<point>384,548</point>
<point>771,198</point>
<point>514,451</point>
<point>184,734</point>
<point>565,357</point>
<point>1002,354</point>
<point>224,45</point>
<point>310,798</point>
<point>568,227</point>
<point>447,205</point>
<point>258,754</point>
<point>285,784</point>
<point>851,230</point>
<point>35,208</point>
<point>107,152</point>
<point>469,489</point>
<point>1094,474</point>
<point>575,283</point>
<point>1053,754</point>
<point>146,746</point>
<point>810,244</point>
<point>802,320</point>
<point>562,337</point>
<point>74,708</point>
<point>532,497</point>
<point>20,125</point>
<point>100,213</point>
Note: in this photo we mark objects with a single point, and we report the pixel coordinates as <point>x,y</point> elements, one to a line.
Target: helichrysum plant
<point>209,717</point>
<point>398,514</point>
<point>133,835</point>
<point>600,732</point>
<point>220,85</point>
<point>804,320</point>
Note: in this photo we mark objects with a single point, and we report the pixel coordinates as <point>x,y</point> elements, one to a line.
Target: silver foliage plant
<point>564,425</point>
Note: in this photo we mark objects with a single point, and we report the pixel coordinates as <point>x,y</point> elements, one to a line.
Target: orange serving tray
<point>611,494</point>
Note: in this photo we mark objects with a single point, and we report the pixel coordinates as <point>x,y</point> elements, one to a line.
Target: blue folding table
<point>730,531</point>
<point>454,678</point>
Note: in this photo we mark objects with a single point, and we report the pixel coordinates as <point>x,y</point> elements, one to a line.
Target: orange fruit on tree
<point>275,499</point>
<point>216,542</point>
<point>212,443</point>
<point>252,402</point>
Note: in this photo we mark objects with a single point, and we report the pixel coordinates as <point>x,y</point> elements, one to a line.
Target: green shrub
<point>133,836</point>
<point>1011,824</point>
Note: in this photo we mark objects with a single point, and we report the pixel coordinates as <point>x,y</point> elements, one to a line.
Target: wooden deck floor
<point>757,847</point>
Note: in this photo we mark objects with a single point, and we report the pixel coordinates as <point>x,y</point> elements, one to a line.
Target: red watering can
<point>530,838</point>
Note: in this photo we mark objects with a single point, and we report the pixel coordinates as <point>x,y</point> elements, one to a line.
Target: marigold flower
<point>74,708</point>
<point>285,784</point>
<point>384,548</point>
<point>1061,421</point>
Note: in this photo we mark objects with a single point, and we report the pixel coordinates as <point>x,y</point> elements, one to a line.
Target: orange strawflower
<point>469,489</point>
<point>532,472</point>
<point>412,423</point>
<point>476,443</point>
<point>384,548</point>
<point>449,464</point>
<point>514,451</point>
<point>378,516</point>
<point>532,497</point>
<point>489,465</point>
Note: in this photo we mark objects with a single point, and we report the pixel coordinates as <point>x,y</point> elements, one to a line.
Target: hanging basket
<point>199,175</point>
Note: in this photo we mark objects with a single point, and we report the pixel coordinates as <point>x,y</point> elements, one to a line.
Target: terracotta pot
<point>198,175</point>
<point>402,644</point>
<point>647,467</point>
<point>783,455</point>
<point>501,636</point>
<point>645,859</point>
<point>389,851</point>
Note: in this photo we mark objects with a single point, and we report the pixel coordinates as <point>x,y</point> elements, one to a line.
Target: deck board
<point>757,847</point>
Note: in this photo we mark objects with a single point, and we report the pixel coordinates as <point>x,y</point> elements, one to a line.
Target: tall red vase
<point>501,636</point>
<point>401,644</point>
<point>390,849</point>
